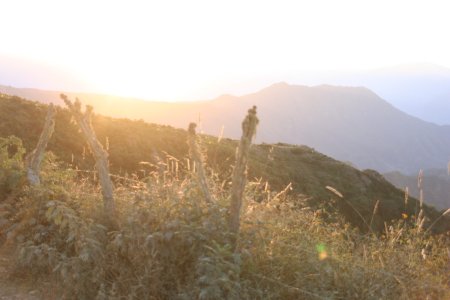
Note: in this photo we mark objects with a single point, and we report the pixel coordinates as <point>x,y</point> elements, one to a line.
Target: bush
<point>11,165</point>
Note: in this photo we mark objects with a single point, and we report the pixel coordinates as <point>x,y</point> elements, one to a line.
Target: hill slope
<point>346,123</point>
<point>349,124</point>
<point>131,142</point>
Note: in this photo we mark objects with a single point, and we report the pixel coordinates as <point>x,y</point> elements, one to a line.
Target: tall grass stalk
<point>420,221</point>
<point>375,211</point>
<point>445,213</point>
<point>198,162</point>
<point>339,194</point>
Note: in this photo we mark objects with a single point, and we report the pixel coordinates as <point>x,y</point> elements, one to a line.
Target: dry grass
<point>168,244</point>
<point>171,246</point>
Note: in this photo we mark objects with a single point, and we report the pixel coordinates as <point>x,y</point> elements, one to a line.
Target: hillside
<point>347,123</point>
<point>132,142</point>
<point>166,240</point>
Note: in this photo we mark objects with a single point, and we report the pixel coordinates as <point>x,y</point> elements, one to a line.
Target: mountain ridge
<point>421,89</point>
<point>347,123</point>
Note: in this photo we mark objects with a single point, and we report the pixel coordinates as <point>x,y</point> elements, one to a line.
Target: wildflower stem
<point>240,169</point>
<point>197,157</point>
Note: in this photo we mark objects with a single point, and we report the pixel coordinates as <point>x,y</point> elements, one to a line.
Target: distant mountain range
<point>350,124</point>
<point>421,90</point>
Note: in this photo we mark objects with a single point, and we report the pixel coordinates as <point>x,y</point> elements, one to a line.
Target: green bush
<point>11,165</point>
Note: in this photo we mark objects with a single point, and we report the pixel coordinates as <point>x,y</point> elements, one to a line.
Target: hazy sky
<point>170,50</point>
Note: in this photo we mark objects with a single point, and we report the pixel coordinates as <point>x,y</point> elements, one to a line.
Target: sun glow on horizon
<point>186,50</point>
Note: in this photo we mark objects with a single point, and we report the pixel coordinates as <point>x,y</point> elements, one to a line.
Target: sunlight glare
<point>175,50</point>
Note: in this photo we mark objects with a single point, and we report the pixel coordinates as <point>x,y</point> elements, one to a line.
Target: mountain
<point>350,124</point>
<point>133,142</point>
<point>436,186</point>
<point>421,90</point>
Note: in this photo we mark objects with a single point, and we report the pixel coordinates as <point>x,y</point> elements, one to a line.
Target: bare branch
<point>101,156</point>
<point>34,159</point>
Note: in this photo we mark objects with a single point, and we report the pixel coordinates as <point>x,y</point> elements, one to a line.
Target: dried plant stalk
<point>101,156</point>
<point>421,217</point>
<point>406,196</point>
<point>375,211</point>
<point>420,187</point>
<point>445,213</point>
<point>34,159</point>
<point>240,169</point>
<point>196,156</point>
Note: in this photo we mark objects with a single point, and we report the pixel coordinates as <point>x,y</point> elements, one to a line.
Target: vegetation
<point>169,242</point>
<point>133,145</point>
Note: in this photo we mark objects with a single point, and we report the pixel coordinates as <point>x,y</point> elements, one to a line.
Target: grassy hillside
<point>133,142</point>
<point>347,123</point>
<point>167,242</point>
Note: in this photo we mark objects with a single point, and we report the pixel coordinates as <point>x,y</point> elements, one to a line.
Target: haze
<point>186,50</point>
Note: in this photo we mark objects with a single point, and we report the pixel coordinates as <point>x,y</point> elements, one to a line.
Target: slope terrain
<point>166,241</point>
<point>347,123</point>
<point>133,142</point>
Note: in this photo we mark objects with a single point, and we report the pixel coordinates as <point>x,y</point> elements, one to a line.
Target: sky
<point>187,50</point>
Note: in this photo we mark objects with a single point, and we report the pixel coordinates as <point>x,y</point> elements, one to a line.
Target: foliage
<point>132,142</point>
<point>170,244</point>
<point>11,166</point>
